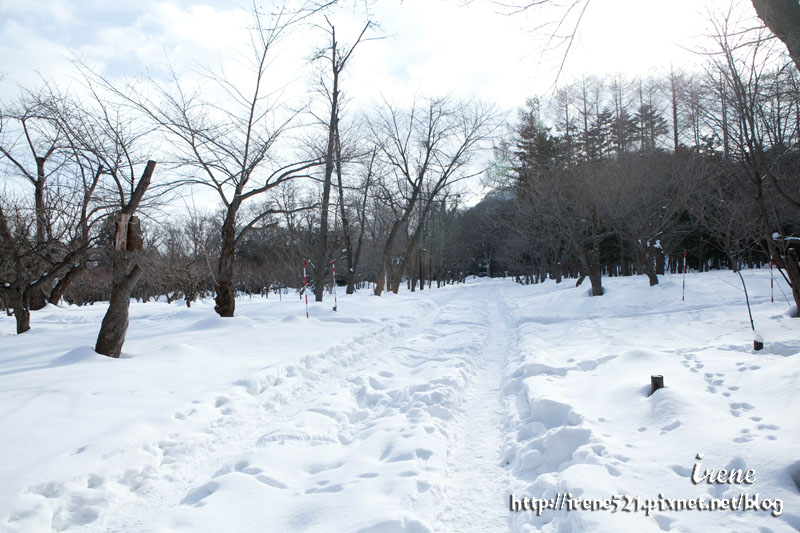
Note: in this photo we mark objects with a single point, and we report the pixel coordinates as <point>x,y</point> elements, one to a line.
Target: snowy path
<point>413,413</point>
<point>477,485</point>
<point>298,405</point>
<point>398,427</point>
<point>412,420</point>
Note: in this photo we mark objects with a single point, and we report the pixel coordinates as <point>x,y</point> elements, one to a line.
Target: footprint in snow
<point>664,522</point>
<point>196,496</point>
<point>323,467</point>
<point>681,470</point>
<point>266,480</point>
<point>738,407</point>
<point>671,427</point>
<point>48,490</point>
<point>63,521</point>
<point>745,436</point>
<point>329,488</point>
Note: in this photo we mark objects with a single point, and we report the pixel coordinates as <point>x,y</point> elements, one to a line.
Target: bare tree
<point>31,137</point>
<point>426,149</point>
<point>368,165</point>
<point>42,240</point>
<point>337,61</point>
<point>230,146</point>
<point>744,66</point>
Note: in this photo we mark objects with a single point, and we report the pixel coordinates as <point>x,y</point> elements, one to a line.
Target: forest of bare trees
<point>608,177</point>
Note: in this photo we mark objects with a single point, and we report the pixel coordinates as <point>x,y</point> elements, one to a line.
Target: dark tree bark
<point>115,321</point>
<point>226,299</point>
<point>63,284</point>
<point>22,314</point>
<point>649,268</point>
<point>321,256</point>
<point>126,274</point>
<point>593,266</point>
<point>782,17</point>
<point>660,262</point>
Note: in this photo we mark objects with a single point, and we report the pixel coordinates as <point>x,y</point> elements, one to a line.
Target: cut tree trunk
<point>125,275</point>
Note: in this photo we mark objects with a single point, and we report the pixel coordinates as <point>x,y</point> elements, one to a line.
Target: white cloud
<point>433,46</point>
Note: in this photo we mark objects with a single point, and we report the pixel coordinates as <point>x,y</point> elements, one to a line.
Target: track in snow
<point>476,484</point>
<point>406,416</point>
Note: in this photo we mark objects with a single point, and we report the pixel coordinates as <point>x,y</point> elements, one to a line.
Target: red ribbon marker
<point>335,304</point>
<point>683,291</point>
<point>305,285</point>
<point>771,279</point>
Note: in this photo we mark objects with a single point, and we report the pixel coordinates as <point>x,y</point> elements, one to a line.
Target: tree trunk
<point>37,299</point>
<point>225,299</point>
<point>595,269</point>
<point>623,259</point>
<point>22,314</point>
<point>782,17</point>
<point>793,273</point>
<point>596,278</point>
<point>115,322</point>
<point>649,269</point>
<point>321,258</point>
<point>386,267</point>
<point>381,278</point>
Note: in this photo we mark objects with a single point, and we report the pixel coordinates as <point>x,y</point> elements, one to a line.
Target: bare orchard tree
<point>230,146</point>
<point>426,149</point>
<point>25,266</point>
<point>28,145</point>
<point>42,238</point>
<point>109,138</point>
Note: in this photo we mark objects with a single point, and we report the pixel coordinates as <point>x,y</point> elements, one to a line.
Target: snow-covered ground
<point>418,412</point>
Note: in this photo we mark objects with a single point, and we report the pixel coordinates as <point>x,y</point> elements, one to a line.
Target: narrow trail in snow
<point>477,485</point>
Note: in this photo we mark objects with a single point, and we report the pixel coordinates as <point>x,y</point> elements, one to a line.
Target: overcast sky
<point>432,47</point>
<point>429,47</point>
